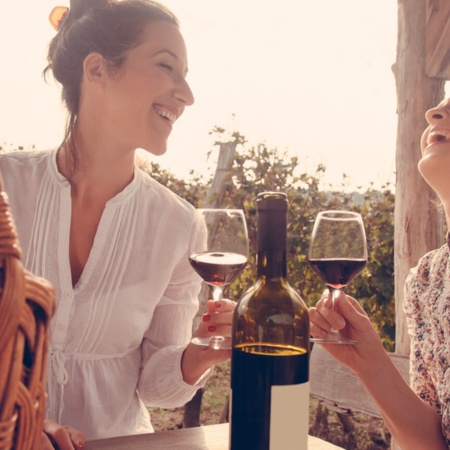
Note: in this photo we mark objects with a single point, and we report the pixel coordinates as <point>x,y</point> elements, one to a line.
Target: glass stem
<point>217,293</point>
<point>335,293</point>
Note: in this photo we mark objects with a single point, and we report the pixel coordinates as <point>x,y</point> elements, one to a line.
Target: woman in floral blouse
<point>418,416</point>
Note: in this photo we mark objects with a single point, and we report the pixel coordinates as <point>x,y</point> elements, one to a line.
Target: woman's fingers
<point>62,437</point>
<point>319,325</point>
<point>220,306</point>
<point>77,438</point>
<point>344,311</point>
<point>218,319</point>
<point>46,443</point>
<point>325,316</point>
<point>353,313</point>
<point>216,324</point>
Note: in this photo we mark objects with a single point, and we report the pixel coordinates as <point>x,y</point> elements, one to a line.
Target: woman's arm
<point>161,382</point>
<point>414,424</point>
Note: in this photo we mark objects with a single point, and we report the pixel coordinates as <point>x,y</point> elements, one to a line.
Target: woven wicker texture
<point>27,304</point>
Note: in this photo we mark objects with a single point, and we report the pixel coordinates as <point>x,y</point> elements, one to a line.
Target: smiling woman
<point>110,238</point>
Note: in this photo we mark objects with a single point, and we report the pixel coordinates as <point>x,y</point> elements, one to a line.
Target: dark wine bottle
<point>269,406</point>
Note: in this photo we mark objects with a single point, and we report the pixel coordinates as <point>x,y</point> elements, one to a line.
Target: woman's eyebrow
<point>166,51</point>
<point>171,53</point>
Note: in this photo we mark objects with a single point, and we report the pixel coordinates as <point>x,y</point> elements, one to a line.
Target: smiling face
<point>435,143</point>
<point>149,92</point>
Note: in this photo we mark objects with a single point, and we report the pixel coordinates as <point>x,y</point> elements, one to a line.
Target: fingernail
<point>217,304</point>
<point>206,317</point>
<point>328,302</point>
<point>211,328</point>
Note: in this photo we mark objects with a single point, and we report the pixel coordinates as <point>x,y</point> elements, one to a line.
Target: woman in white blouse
<point>112,240</point>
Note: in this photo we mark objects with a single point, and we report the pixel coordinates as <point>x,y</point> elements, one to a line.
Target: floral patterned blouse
<point>427,308</point>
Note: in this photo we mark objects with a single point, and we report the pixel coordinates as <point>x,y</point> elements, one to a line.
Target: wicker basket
<point>27,304</point>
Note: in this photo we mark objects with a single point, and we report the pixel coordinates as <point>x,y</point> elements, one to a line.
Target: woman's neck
<point>93,174</point>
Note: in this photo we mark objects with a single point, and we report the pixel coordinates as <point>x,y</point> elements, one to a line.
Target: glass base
<point>333,338</point>
<point>214,342</point>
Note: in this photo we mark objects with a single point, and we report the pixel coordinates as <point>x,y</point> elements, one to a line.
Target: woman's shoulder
<point>430,265</point>
<point>21,166</point>
<point>24,158</point>
<point>433,260</point>
<point>428,274</point>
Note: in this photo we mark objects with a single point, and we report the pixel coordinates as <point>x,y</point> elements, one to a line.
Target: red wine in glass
<point>337,273</point>
<point>218,268</point>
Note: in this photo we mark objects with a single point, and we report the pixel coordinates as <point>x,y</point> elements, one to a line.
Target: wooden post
<point>222,176</point>
<point>418,225</point>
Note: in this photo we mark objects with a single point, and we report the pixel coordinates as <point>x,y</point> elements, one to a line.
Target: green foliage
<point>259,168</point>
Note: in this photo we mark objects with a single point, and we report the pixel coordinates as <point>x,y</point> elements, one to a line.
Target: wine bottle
<point>269,398</point>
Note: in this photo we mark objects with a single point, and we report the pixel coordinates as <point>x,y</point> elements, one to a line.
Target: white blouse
<point>117,337</point>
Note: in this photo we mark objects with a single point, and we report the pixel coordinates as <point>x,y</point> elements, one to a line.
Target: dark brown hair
<point>108,27</point>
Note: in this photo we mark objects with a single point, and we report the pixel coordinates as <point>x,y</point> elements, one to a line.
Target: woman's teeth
<point>166,114</point>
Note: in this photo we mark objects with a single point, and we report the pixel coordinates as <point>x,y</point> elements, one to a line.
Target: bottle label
<point>289,417</point>
<point>288,420</point>
<point>269,396</point>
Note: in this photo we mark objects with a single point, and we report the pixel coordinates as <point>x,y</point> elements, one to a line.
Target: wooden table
<point>210,437</point>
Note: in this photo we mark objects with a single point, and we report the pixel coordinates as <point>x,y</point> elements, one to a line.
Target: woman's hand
<point>216,321</point>
<point>61,437</point>
<point>413,423</point>
<point>347,316</point>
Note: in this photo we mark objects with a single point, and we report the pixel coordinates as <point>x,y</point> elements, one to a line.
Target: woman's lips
<point>438,136</point>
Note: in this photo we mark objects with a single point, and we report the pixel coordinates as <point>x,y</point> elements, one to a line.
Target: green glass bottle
<point>269,406</point>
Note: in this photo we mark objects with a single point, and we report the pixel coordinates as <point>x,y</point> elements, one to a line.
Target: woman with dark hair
<point>113,241</point>
<point>418,416</point>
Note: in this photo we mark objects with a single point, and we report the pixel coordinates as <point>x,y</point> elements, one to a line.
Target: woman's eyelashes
<point>167,67</point>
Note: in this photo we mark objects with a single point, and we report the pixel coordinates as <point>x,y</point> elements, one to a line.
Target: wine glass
<point>337,253</point>
<point>220,257</point>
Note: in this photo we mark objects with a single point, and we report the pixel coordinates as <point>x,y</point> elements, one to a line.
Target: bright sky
<point>312,77</point>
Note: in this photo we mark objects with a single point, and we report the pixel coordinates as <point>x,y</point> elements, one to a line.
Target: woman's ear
<point>94,68</point>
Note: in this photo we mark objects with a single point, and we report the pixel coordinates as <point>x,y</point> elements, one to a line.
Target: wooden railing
<point>339,388</point>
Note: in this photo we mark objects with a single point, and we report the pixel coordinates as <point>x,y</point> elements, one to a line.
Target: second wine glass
<point>220,258</point>
<point>337,253</point>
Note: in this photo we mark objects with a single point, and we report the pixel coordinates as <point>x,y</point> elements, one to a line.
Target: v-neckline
<point>94,253</point>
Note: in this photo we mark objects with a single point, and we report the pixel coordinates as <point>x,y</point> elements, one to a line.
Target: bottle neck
<point>271,264</point>
<point>271,255</point>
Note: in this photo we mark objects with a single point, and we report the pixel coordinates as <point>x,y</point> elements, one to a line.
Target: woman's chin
<point>156,150</point>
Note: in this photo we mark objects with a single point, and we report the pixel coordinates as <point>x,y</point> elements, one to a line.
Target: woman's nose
<point>183,92</point>
<point>436,114</point>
